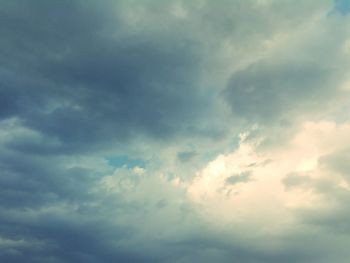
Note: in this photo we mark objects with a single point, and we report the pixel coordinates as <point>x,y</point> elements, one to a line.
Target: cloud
<point>88,78</point>
<point>238,178</point>
<point>294,79</point>
<point>266,92</point>
<point>309,173</point>
<point>174,131</point>
<point>342,6</point>
<point>186,156</point>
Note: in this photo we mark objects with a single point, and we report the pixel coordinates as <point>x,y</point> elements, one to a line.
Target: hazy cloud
<point>174,131</point>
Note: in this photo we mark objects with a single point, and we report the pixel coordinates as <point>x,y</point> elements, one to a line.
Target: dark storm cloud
<point>77,74</point>
<point>77,77</point>
<point>27,181</point>
<point>49,213</point>
<point>64,237</point>
<point>273,91</point>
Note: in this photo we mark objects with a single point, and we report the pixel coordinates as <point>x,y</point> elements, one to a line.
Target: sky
<point>174,131</point>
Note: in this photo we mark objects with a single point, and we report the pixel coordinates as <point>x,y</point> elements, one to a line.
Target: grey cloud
<point>332,218</point>
<point>79,224</point>
<point>297,180</point>
<point>65,238</point>
<point>57,210</point>
<point>272,91</point>
<point>186,156</point>
<point>33,182</point>
<point>78,77</point>
<point>337,162</point>
<point>239,178</point>
<point>50,212</point>
<point>75,75</point>
<point>321,186</point>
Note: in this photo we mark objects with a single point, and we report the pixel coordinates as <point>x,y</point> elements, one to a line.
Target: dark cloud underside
<point>86,84</point>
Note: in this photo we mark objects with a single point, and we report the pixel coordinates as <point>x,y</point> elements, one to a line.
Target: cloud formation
<point>174,131</point>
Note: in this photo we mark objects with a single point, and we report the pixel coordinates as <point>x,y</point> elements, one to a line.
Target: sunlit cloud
<point>174,131</point>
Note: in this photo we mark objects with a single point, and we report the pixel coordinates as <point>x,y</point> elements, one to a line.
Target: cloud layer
<point>174,131</point>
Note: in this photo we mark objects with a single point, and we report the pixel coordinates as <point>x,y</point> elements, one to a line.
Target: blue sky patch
<point>342,6</point>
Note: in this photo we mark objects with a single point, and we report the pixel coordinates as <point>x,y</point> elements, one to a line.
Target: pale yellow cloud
<point>264,200</point>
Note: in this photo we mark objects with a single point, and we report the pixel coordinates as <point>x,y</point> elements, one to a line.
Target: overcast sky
<point>175,131</point>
